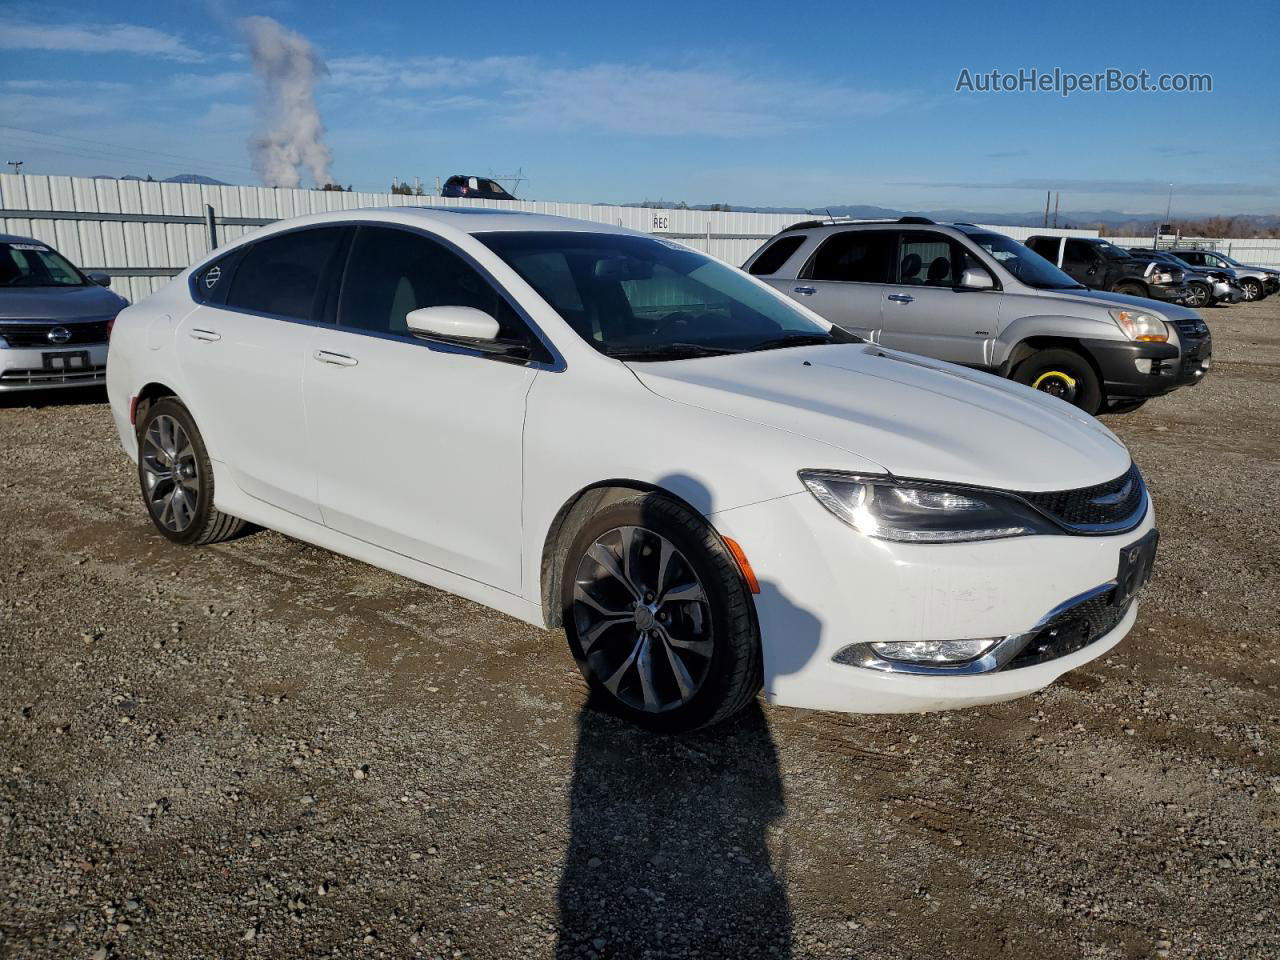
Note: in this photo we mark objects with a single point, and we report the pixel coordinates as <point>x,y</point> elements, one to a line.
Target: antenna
<point>17,166</point>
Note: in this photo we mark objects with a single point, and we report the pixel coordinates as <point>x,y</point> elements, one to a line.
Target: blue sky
<point>748,103</point>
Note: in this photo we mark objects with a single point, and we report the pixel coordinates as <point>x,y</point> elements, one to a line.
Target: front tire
<point>1131,289</point>
<point>1252,289</point>
<point>176,477</point>
<point>1199,295</point>
<point>1064,374</point>
<point>659,617</point>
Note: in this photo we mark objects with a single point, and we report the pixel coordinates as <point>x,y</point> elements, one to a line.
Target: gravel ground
<point>262,749</point>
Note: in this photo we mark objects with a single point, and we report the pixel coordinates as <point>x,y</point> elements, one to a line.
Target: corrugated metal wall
<point>136,227</point>
<point>1257,251</point>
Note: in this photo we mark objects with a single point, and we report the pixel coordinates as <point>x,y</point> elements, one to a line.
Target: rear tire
<point>659,617</point>
<point>1064,374</point>
<point>176,477</point>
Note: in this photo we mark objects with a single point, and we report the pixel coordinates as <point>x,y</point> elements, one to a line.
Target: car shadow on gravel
<point>67,397</point>
<point>668,850</point>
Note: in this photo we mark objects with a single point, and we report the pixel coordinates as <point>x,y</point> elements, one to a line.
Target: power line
<point>130,152</point>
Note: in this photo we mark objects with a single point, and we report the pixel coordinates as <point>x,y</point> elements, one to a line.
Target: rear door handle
<point>806,291</point>
<point>209,336</point>
<point>901,297</point>
<point>337,359</point>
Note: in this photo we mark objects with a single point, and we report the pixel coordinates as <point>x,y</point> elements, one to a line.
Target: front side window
<point>1078,251</point>
<point>281,275</point>
<point>1023,263</point>
<point>392,272</point>
<point>855,256</point>
<point>644,298</point>
<point>35,265</point>
<point>925,258</point>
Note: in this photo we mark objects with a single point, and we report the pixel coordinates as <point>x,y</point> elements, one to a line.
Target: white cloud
<point>716,100</point>
<point>112,38</point>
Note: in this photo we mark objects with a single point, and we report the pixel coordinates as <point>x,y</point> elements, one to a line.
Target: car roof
<point>463,219</point>
<point>15,238</point>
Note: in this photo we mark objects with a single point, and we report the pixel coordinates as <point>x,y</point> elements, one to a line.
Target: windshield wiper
<point>668,351</point>
<point>792,340</point>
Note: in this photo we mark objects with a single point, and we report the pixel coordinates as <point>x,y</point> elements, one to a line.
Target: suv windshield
<point>642,298</point>
<point>35,265</point>
<point>1024,263</point>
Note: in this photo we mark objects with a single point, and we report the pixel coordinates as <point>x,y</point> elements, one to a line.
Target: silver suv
<point>978,298</point>
<point>54,319</point>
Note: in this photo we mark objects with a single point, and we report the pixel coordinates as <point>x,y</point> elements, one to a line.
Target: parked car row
<point>971,296</point>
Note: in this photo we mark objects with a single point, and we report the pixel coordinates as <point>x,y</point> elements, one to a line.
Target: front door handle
<point>901,297</point>
<point>806,291</point>
<point>337,359</point>
<point>209,336</point>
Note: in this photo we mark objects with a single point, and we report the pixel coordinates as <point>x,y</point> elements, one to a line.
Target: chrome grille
<point>1108,507</point>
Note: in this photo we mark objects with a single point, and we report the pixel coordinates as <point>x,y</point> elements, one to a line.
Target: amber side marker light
<point>743,564</point>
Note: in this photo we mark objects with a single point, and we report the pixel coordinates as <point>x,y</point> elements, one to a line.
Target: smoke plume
<point>292,136</point>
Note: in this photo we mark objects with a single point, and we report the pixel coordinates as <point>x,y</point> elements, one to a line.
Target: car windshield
<point>644,298</point>
<point>35,265</point>
<point>1024,263</point>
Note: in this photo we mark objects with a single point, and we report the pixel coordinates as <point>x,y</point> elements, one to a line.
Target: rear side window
<point>392,272</point>
<point>855,256</point>
<point>281,275</point>
<point>774,256</point>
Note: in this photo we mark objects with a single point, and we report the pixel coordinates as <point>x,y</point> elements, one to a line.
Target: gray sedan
<point>54,319</point>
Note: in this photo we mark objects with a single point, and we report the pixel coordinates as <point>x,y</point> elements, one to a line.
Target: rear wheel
<point>1064,374</point>
<point>177,478</point>
<point>1252,289</point>
<point>658,616</point>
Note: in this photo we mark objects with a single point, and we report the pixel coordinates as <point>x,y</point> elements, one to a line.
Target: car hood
<point>59,303</point>
<point>914,416</point>
<point>1107,300</point>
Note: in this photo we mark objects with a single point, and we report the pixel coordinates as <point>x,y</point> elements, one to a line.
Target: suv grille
<point>1072,630</point>
<point>1105,508</point>
<point>36,334</point>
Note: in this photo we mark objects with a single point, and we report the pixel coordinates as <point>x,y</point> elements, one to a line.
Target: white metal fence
<point>143,232</point>
<point>1256,251</point>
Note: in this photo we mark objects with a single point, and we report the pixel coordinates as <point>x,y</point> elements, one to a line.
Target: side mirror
<point>974,279</point>
<point>101,279</point>
<point>466,323</point>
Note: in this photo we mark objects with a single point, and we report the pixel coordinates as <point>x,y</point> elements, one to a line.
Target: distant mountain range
<point>180,178</point>
<point>1113,221</point>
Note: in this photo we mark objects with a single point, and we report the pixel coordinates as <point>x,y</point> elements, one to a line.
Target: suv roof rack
<point>832,221</point>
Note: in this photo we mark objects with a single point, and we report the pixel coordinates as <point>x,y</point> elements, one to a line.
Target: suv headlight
<point>922,512</point>
<point>1141,326</point>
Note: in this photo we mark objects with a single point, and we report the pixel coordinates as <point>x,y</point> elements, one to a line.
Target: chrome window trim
<point>557,364</point>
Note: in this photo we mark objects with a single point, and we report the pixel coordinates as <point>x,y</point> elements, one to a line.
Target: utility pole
<point>1046,208</point>
<point>1168,207</point>
<point>1056,198</point>
<point>17,166</point>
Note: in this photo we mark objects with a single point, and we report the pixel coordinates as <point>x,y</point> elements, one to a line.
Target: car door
<point>1083,263</point>
<point>926,311</point>
<point>843,280</point>
<point>242,352</point>
<point>417,443</point>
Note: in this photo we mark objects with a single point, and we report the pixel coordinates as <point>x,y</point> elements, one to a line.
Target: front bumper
<point>1131,369</point>
<point>25,368</point>
<point>825,587</point>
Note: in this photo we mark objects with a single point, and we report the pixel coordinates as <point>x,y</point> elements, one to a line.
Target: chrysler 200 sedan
<point>708,486</point>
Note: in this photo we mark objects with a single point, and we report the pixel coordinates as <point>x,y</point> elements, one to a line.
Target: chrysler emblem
<point>58,335</point>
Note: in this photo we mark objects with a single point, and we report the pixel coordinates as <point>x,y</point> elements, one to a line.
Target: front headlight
<point>923,513</point>
<point>1141,326</point>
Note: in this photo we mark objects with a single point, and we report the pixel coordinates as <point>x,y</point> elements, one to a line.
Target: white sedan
<point>707,485</point>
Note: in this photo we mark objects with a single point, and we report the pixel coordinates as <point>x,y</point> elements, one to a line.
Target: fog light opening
<point>938,652</point>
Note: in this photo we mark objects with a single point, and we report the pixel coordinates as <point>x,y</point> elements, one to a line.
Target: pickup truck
<point>1100,265</point>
